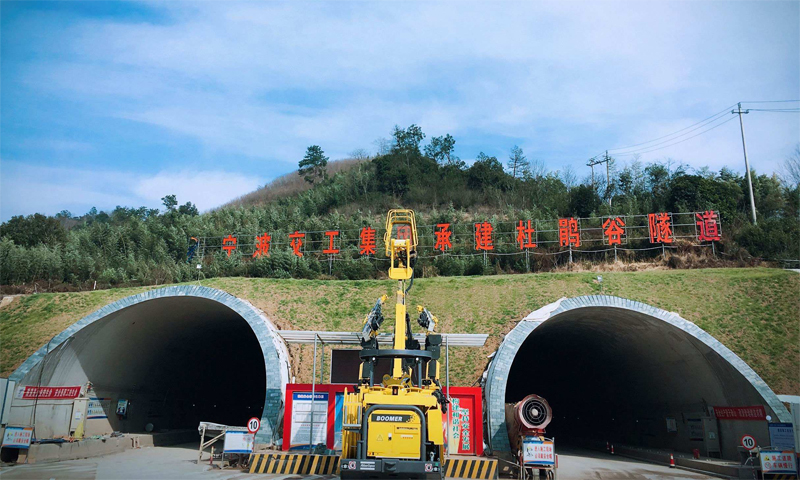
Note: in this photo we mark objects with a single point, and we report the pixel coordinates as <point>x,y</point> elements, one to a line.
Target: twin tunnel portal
<point>612,369</point>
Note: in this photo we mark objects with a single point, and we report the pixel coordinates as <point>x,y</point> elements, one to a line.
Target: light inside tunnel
<point>177,360</point>
<point>618,375</point>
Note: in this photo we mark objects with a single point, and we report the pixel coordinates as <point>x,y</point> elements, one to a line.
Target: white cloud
<point>564,79</point>
<point>207,189</point>
<point>27,188</point>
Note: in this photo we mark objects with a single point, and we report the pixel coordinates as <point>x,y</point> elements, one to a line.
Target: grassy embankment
<point>755,312</point>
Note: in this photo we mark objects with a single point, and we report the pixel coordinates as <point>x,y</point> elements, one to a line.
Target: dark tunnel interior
<point>616,375</point>
<point>178,360</point>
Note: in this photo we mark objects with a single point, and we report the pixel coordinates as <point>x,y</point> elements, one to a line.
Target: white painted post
<point>313,392</point>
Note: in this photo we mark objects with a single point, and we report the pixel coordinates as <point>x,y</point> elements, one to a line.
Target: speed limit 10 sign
<point>253,425</point>
<point>748,442</point>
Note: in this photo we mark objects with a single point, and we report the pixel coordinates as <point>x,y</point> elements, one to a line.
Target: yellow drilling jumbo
<point>393,426</point>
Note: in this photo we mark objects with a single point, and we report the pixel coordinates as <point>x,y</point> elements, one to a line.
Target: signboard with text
<point>696,430</point>
<point>303,432</point>
<point>17,437</point>
<point>48,393</point>
<point>774,461</point>
<point>781,436</point>
<point>98,408</point>
<point>238,442</point>
<point>754,412</point>
<point>460,441</point>
<point>511,236</point>
<point>536,451</point>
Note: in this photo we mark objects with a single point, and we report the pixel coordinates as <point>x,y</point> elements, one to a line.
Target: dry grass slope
<point>287,185</point>
<point>753,311</point>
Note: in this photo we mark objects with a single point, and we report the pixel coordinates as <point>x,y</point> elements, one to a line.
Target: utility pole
<point>608,183</point>
<point>595,161</point>
<point>746,163</point>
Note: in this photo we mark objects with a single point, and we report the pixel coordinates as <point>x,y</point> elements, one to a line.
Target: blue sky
<point>121,103</point>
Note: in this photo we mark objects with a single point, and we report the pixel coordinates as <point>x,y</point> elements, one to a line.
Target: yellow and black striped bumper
<point>294,463</point>
<point>470,468</point>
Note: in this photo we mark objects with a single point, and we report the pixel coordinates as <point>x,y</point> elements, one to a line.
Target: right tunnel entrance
<point>627,376</point>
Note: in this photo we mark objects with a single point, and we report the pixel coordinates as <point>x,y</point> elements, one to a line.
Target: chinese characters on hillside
<point>523,235</point>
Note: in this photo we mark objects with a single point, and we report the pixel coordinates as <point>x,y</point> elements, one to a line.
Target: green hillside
<point>755,312</point>
<point>130,246</point>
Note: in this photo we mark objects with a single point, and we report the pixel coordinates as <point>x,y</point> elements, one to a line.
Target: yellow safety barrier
<point>470,468</point>
<point>294,463</point>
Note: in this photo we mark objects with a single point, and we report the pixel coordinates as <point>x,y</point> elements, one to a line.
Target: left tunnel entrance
<point>178,360</point>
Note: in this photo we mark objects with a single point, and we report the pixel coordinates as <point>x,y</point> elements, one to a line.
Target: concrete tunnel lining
<point>181,310</point>
<point>655,340</point>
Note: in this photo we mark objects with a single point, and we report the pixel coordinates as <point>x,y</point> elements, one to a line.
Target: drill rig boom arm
<point>400,418</point>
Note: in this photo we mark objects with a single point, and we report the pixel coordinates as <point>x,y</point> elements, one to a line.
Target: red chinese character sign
<point>483,236</point>
<point>614,230</point>
<point>660,227</point>
<point>506,238</point>
<point>568,232</point>
<point>707,226</point>
<point>229,244</point>
<point>525,235</point>
<point>262,245</point>
<point>366,239</point>
<point>297,242</point>
<point>443,234</point>
<point>331,250</point>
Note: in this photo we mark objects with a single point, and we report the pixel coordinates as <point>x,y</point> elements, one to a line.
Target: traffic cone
<point>612,449</point>
<point>671,461</point>
<point>607,447</point>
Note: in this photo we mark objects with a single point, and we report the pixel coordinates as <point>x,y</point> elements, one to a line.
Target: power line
<point>719,117</point>
<point>675,143</point>
<point>704,121</point>
<point>770,101</point>
<point>696,126</point>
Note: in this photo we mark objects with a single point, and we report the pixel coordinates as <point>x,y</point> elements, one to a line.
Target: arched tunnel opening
<point>619,375</point>
<point>177,360</point>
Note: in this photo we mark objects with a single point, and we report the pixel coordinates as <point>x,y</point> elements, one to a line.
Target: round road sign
<point>253,425</point>
<point>748,442</point>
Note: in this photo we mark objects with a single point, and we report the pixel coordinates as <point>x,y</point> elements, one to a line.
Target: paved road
<point>579,464</point>
<point>179,463</point>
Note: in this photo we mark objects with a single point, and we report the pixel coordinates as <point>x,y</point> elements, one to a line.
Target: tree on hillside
<point>583,202</point>
<point>791,168</point>
<point>406,142</point>
<point>34,230</point>
<point>312,166</point>
<point>441,150</point>
<point>486,171</point>
<point>382,145</point>
<point>568,176</point>
<point>188,208</point>
<point>517,162</point>
<point>169,201</point>
<point>360,154</point>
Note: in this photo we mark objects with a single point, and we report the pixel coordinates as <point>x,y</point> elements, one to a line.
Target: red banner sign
<point>520,235</point>
<point>50,393</point>
<point>755,412</point>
